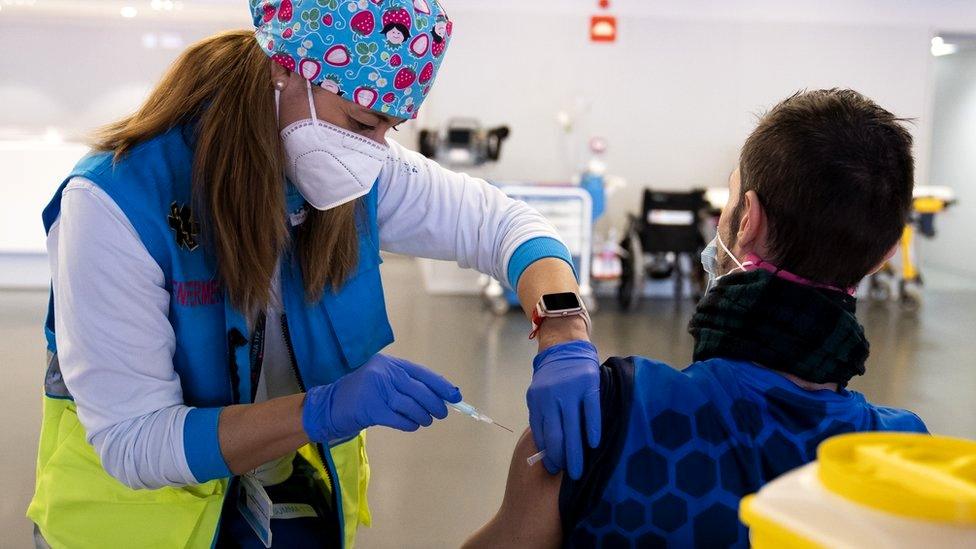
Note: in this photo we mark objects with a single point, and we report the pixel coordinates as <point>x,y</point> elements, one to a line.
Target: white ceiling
<point>230,11</point>
<point>947,15</point>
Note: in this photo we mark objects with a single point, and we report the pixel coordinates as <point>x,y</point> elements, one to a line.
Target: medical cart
<point>570,210</point>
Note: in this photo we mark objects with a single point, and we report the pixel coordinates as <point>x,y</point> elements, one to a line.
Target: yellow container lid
<point>923,477</point>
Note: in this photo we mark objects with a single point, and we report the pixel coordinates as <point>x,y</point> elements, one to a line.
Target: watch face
<point>561,302</point>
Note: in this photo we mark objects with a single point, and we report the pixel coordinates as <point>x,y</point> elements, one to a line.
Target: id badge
<point>256,508</point>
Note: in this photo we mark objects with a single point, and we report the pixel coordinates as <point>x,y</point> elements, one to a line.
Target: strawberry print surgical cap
<point>382,54</point>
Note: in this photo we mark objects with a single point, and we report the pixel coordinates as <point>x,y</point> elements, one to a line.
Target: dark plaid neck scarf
<point>756,316</point>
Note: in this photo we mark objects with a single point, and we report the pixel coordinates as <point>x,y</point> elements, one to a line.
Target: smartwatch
<point>558,305</point>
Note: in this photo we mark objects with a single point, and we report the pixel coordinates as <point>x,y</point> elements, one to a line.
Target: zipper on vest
<point>257,353</point>
<point>332,482</point>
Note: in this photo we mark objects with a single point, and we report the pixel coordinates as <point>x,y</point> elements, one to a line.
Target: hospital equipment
<point>463,143</point>
<point>870,490</point>
<point>570,210</point>
<point>663,242</point>
<point>535,458</point>
<point>475,414</point>
<point>607,263</point>
<point>928,202</point>
<point>593,178</point>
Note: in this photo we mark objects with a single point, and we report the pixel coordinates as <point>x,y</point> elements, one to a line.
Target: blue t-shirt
<point>681,448</point>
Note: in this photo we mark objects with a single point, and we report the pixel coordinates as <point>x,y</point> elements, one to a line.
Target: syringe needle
<point>474,413</point>
<point>503,427</point>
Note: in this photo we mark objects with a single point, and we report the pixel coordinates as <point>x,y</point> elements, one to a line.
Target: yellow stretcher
<point>929,201</point>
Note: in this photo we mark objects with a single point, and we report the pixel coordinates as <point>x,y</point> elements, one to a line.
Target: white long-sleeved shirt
<point>115,341</point>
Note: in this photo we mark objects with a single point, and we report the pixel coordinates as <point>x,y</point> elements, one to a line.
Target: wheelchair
<point>659,242</point>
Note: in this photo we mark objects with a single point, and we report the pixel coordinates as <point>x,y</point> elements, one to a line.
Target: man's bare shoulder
<point>529,514</point>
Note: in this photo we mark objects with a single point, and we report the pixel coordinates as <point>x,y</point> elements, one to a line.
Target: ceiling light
<point>940,47</point>
<point>150,41</point>
<point>128,12</point>
<point>163,5</point>
<point>53,136</point>
<point>170,41</point>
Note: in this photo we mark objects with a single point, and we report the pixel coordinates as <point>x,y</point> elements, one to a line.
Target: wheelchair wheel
<point>678,277</point>
<point>633,274</point>
<point>661,266</point>
<point>880,290</point>
<point>909,297</point>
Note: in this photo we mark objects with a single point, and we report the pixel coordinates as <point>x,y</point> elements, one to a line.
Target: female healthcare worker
<point>217,307</point>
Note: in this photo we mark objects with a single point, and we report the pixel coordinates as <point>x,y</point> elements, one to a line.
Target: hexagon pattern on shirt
<point>796,414</point>
<point>738,470</point>
<point>669,512</point>
<point>779,455</point>
<point>647,471</point>
<point>629,515</point>
<point>671,429</point>
<point>716,526</point>
<point>651,540</point>
<point>833,429</point>
<point>708,424</point>
<point>695,474</point>
<point>613,540</point>
<point>689,460</point>
<point>748,417</point>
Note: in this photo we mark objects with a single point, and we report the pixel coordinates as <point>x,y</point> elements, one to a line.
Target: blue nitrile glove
<point>565,389</point>
<point>385,391</point>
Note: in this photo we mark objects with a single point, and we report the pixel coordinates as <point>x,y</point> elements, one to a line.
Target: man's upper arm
<point>536,504</point>
<point>529,514</point>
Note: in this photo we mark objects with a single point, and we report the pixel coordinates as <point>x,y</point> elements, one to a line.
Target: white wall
<point>72,73</point>
<point>954,161</point>
<point>675,96</point>
<point>678,93</point>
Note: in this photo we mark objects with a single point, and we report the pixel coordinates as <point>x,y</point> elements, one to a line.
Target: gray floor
<point>430,489</point>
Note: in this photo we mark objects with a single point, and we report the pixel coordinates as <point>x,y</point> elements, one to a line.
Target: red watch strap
<point>537,320</point>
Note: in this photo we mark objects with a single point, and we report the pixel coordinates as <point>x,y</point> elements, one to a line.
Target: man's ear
<point>891,253</point>
<point>752,226</point>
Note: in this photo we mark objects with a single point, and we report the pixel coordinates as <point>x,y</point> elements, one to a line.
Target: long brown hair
<point>222,84</point>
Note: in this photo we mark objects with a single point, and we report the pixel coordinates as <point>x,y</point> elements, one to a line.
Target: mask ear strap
<point>311,101</point>
<point>278,107</point>
<point>722,244</point>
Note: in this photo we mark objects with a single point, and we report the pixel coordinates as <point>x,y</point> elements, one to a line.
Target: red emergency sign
<point>603,28</point>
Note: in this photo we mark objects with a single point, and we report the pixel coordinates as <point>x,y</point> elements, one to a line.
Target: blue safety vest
<point>217,357</point>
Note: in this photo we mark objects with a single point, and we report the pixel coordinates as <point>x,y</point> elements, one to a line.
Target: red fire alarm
<point>603,28</point>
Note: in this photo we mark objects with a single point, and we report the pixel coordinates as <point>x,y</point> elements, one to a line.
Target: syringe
<point>535,458</point>
<point>474,413</point>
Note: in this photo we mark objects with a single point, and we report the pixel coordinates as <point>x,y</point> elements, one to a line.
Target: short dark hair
<point>834,173</point>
